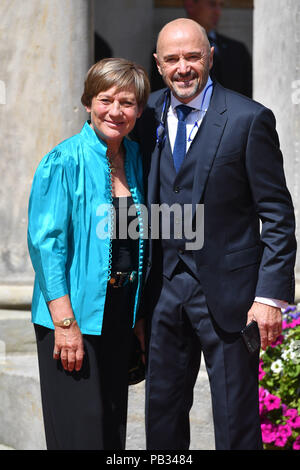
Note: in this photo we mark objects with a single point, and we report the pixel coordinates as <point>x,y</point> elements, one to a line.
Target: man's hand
<point>269,320</point>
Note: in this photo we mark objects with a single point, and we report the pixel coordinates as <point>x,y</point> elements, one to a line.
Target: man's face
<point>205,12</point>
<point>184,59</point>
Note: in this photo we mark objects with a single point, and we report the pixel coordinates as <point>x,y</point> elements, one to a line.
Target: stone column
<point>277,84</point>
<point>45,52</point>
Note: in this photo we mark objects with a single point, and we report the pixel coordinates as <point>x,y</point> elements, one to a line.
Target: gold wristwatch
<point>65,323</point>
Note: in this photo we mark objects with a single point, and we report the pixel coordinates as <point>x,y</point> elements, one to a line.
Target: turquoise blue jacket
<point>71,185</point>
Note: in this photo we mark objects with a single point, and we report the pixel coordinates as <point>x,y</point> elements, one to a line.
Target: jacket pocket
<point>242,258</point>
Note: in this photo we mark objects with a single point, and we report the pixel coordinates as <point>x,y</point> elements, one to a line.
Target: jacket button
<point>176,189</point>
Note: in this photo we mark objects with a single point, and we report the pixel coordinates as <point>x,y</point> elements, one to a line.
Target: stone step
<point>21,425</point>
<point>202,432</point>
<point>16,331</point>
<point>4,447</point>
<point>21,422</point>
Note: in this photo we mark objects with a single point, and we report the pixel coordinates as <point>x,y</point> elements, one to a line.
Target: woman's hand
<point>68,345</point>
<point>68,341</point>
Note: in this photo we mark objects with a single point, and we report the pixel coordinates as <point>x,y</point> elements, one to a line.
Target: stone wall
<point>277,84</point>
<point>131,26</point>
<point>45,51</point>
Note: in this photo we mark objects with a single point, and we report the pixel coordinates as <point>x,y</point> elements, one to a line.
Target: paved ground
<point>202,434</point>
<point>20,397</point>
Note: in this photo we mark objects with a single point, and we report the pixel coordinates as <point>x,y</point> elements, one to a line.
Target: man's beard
<point>189,91</point>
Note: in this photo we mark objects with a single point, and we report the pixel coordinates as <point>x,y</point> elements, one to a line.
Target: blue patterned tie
<point>180,141</point>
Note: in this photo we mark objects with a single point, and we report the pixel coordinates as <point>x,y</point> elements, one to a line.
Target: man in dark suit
<point>102,49</point>
<point>221,150</point>
<point>232,66</point>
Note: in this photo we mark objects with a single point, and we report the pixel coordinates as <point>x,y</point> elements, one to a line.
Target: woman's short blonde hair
<point>120,73</point>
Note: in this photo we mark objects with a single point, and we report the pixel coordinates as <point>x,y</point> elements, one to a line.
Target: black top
<point>125,249</point>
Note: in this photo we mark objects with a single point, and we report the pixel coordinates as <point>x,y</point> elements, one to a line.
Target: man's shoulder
<point>156,97</point>
<point>233,98</point>
<point>241,107</point>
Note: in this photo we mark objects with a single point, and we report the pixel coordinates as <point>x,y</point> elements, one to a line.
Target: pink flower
<point>291,412</point>
<point>272,402</point>
<point>261,407</point>
<point>284,408</point>
<point>294,418</point>
<point>278,341</point>
<point>296,445</point>
<point>284,430</point>
<point>292,324</point>
<point>268,432</point>
<point>261,372</point>
<point>295,422</point>
<point>280,441</point>
<point>262,393</point>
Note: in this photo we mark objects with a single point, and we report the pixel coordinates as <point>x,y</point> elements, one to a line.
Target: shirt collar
<point>92,137</point>
<point>196,102</point>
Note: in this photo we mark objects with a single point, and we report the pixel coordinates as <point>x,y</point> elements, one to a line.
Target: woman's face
<point>113,113</point>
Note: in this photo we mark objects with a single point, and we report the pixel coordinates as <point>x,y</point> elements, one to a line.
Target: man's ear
<point>157,63</point>
<point>211,57</point>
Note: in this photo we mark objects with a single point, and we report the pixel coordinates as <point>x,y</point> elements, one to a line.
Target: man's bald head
<point>179,28</point>
<point>184,57</point>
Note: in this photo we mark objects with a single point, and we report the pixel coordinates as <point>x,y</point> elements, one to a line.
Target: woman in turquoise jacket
<point>85,193</point>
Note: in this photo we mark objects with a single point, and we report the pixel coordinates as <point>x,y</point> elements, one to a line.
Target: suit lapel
<point>153,176</point>
<point>205,144</point>
<point>207,141</point>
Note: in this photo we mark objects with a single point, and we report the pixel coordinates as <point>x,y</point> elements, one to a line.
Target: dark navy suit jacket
<point>249,226</point>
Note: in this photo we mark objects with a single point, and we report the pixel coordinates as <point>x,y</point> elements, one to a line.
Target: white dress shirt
<point>193,121</point>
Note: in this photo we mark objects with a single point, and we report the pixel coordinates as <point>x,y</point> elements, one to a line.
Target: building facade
<point>46,49</point>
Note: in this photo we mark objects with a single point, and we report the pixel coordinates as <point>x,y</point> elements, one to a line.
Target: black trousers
<point>181,328</point>
<point>87,410</point>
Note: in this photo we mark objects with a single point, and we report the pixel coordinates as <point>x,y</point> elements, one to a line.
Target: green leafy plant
<point>279,391</point>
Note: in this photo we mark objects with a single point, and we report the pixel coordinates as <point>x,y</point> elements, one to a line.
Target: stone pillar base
<point>16,296</point>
